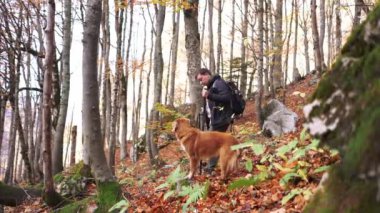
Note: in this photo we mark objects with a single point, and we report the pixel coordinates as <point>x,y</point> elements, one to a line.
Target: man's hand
<point>204,92</point>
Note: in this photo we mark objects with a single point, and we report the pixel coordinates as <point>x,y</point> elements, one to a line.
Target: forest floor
<point>288,188</point>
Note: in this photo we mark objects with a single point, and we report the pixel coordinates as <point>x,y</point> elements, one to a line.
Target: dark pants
<point>214,161</point>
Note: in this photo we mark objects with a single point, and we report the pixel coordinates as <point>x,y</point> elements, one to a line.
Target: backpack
<point>237,100</point>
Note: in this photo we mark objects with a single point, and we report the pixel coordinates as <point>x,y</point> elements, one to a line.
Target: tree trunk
<point>273,49</point>
<point>219,52</point>
<point>73,145</point>
<point>174,49</point>
<point>193,54</point>
<point>211,36</point>
<point>329,12</point>
<point>133,150</point>
<point>151,148</point>
<point>288,45</point>
<point>260,61</point>
<point>3,102</point>
<point>296,73</point>
<point>314,28</point>
<point>357,14</point>
<point>203,28</point>
<point>24,147</point>
<point>124,89</point>
<point>38,146</point>
<point>106,82</point>
<point>90,107</point>
<point>359,6</point>
<point>322,27</point>
<point>304,27</point>
<point>59,134</point>
<point>277,59</point>
<point>51,197</point>
<point>267,14</point>
<point>158,68</point>
<point>68,139</point>
<point>167,82</point>
<point>243,66</point>
<point>338,30</point>
<point>232,39</point>
<point>137,110</point>
<point>120,113</point>
<point>8,177</point>
<point>119,19</point>
<point>29,118</point>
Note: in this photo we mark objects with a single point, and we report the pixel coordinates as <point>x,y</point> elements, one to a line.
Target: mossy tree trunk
<point>347,102</point>
<point>106,183</point>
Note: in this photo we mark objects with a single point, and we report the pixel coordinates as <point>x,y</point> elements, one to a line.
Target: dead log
<point>14,196</point>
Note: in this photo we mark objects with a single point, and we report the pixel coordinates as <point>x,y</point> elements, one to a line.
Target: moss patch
<point>80,169</point>
<point>109,193</point>
<point>54,199</point>
<point>78,206</point>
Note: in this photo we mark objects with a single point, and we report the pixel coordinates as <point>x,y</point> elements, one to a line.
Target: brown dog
<point>201,145</point>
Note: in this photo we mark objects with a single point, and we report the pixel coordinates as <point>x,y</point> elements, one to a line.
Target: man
<point>217,107</point>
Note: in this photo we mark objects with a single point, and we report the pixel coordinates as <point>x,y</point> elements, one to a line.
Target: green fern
<point>242,145</point>
<point>289,196</point>
<point>249,165</point>
<point>195,193</point>
<point>122,206</point>
<point>246,182</point>
<point>286,148</point>
<point>173,179</point>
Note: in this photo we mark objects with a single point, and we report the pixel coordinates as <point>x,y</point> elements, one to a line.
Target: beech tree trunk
<point>232,39</point>
<point>119,19</point>
<point>158,67</point>
<point>314,28</point>
<point>304,27</point>
<point>38,168</point>
<point>151,148</point>
<point>219,52</point>
<point>243,66</point>
<point>90,107</point>
<point>73,145</point>
<point>59,134</point>
<point>124,88</point>
<point>289,33</point>
<point>322,27</point>
<point>174,49</point>
<point>338,26</point>
<point>51,197</point>
<point>193,54</point>
<point>3,102</point>
<point>260,64</point>
<point>267,14</point>
<point>277,58</point>
<point>203,28</point>
<point>8,177</point>
<point>296,73</point>
<point>211,36</point>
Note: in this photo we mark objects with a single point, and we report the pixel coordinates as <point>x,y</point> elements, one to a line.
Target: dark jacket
<point>219,99</point>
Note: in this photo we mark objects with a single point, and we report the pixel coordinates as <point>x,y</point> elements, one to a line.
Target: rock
<point>279,119</point>
<point>314,80</point>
